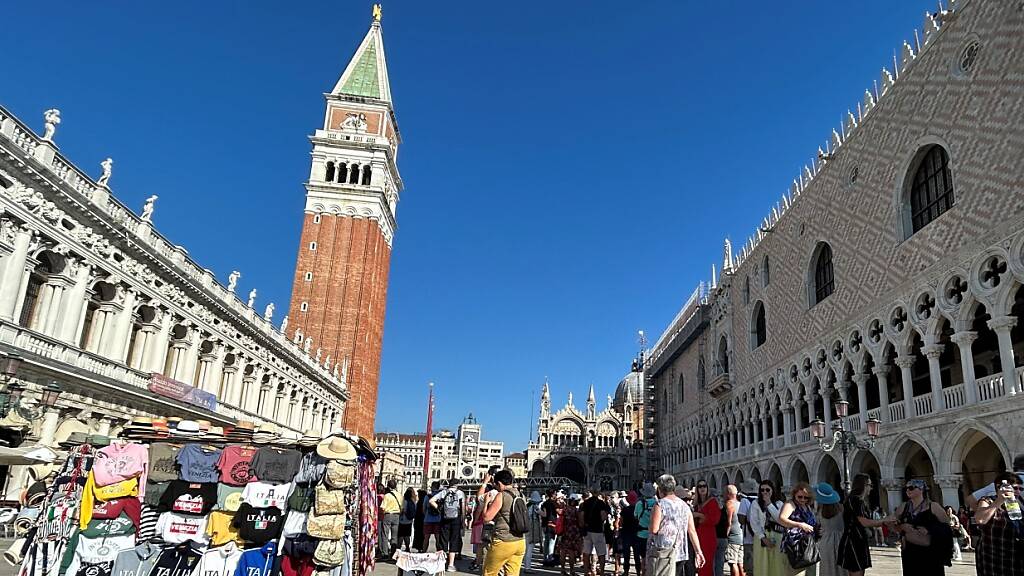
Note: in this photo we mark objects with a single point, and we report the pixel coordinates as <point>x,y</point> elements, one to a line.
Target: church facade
<point>593,448</point>
<point>888,277</point>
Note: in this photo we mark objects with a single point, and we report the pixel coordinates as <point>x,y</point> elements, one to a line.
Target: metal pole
<point>846,463</point>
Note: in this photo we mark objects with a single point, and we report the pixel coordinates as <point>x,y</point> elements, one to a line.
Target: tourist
<point>859,525</point>
<point>506,550</point>
<point>549,515</point>
<point>450,502</point>
<point>764,515</point>
<point>798,520</point>
<point>630,543</point>
<point>480,534</point>
<point>417,523</point>
<point>748,496</point>
<point>1000,549</point>
<point>406,520</point>
<point>734,532</point>
<point>643,510</point>
<point>706,514</point>
<point>570,539</point>
<point>830,511</point>
<point>593,515</point>
<point>671,531</point>
<point>956,528</point>
<point>927,545</point>
<point>431,519</point>
<point>721,533</point>
<point>390,510</point>
<point>535,535</point>
<point>878,531</point>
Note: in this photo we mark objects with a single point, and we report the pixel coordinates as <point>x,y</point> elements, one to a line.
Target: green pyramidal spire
<point>366,75</point>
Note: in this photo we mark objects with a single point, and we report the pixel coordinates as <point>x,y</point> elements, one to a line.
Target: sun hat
<point>187,428</point>
<point>824,493</point>
<point>647,490</point>
<point>336,448</point>
<point>748,487</point>
<point>214,434</point>
<point>309,438</point>
<point>535,497</point>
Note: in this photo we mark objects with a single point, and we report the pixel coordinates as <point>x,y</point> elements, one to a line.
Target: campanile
<point>341,273</point>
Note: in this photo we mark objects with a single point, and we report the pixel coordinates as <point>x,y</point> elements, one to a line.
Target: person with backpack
<point>450,502</point>
<point>431,519</point>
<point>642,510</point>
<point>629,535</point>
<point>508,546</point>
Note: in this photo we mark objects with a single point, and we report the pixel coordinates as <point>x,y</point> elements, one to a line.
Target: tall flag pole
<point>426,449</point>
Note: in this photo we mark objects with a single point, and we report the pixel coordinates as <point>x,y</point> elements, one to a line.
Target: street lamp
<point>9,365</point>
<point>844,439</point>
<point>51,393</point>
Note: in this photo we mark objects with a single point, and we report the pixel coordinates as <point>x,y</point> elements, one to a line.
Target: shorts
<point>449,537</point>
<point>431,528</point>
<point>734,554</point>
<point>593,543</point>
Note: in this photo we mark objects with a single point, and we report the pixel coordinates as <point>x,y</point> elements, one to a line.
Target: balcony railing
<point>897,412</point>
<point>720,384</point>
<point>875,413</point>
<point>992,387</point>
<point>923,405</point>
<point>954,396</point>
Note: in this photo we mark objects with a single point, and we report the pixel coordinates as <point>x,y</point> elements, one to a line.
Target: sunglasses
<point>766,490</point>
<point>702,485</point>
<point>803,498</point>
<point>911,488</point>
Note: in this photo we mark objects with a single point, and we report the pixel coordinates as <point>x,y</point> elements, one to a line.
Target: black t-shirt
<point>592,509</point>
<point>550,510</point>
<point>180,560</point>
<point>628,524</point>
<point>194,498</point>
<point>722,528</point>
<point>257,525</point>
<point>275,465</point>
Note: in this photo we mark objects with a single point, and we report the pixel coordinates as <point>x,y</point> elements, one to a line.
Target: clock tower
<point>341,273</point>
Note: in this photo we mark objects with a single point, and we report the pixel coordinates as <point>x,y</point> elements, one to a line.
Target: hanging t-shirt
<point>220,561</point>
<point>147,525</point>
<point>276,465</point>
<point>101,569</point>
<point>229,498</point>
<point>114,508</point>
<point>179,560</point>
<point>198,464</point>
<point>163,462</point>
<point>95,551</point>
<point>221,530</point>
<point>177,528</point>
<point>234,465</point>
<point>120,526</point>
<point>256,562</point>
<point>138,561</point>
<point>189,497</point>
<point>119,462</point>
<point>263,495</point>
<point>258,525</point>
<point>312,467</point>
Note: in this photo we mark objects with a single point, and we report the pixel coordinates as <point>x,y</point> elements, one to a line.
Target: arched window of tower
<point>366,175</point>
<point>342,172</point>
<point>353,177</point>
<point>329,175</point>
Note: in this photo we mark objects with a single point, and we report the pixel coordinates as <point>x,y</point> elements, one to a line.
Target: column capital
<point>861,379</point>
<point>1002,323</point>
<point>932,351</point>
<point>947,481</point>
<point>905,361</point>
<point>882,370</point>
<point>964,339</point>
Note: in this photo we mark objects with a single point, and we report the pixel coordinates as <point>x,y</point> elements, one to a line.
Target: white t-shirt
<point>219,561</point>
<point>744,510</point>
<point>263,495</point>
<point>97,550</point>
<point>177,528</point>
<point>294,524</point>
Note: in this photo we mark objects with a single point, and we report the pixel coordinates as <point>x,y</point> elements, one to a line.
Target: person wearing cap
<point>593,515</point>
<point>450,502</point>
<point>919,515</point>
<point>431,519</point>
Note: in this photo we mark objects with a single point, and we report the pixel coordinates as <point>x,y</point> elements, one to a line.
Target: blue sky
<point>571,168</point>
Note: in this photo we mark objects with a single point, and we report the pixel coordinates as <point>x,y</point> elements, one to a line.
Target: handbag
<point>918,536</point>
<point>326,526</point>
<point>329,501</point>
<point>339,475</point>
<point>661,560</point>
<point>329,553</point>
<point>801,551</point>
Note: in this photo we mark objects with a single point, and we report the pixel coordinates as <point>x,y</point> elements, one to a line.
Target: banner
<point>170,388</point>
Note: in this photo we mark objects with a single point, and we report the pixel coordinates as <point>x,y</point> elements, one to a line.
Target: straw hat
<point>309,438</point>
<point>336,448</point>
<point>187,428</point>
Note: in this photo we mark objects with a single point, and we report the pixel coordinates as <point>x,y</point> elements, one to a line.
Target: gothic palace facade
<point>889,275</point>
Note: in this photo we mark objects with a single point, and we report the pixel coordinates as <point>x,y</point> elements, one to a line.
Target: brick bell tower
<point>341,273</point>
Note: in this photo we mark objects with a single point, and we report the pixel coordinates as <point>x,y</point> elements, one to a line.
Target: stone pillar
<point>217,370</point>
<point>14,270</point>
<point>861,380</point>
<point>54,307</point>
<point>1002,326</point>
<point>100,318</point>
<point>103,427</point>
<point>882,374</point>
<point>789,424</point>
<point>963,341</point>
<point>118,341</point>
<point>48,431</point>
<point>811,410</point>
<point>764,431</point>
<point>156,353</point>
<point>893,493</point>
<point>192,356</point>
<point>950,493</point>
<point>281,403</point>
<point>826,398</point>
<point>905,363</point>
<point>74,305</point>
<point>932,352</point>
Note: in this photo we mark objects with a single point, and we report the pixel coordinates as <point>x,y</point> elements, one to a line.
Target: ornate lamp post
<point>844,439</point>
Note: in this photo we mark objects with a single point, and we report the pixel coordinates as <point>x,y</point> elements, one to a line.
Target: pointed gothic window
<point>758,326</point>
<point>329,176</point>
<point>824,279</point>
<point>682,389</point>
<point>366,175</point>
<point>765,272</point>
<point>931,192</point>
<point>353,177</point>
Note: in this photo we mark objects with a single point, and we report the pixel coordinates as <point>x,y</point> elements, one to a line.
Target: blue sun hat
<point>824,493</point>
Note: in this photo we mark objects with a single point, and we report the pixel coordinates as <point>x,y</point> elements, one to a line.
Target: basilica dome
<point>633,383</point>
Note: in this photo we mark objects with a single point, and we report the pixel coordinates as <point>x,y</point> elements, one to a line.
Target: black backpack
<point>518,517</point>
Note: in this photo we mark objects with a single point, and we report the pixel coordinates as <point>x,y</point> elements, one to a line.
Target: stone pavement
<point>886,563</point>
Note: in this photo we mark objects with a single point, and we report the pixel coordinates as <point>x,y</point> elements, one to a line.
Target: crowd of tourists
<point>662,529</point>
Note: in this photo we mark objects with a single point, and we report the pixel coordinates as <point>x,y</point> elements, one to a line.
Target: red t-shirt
<point>130,505</point>
<point>234,465</point>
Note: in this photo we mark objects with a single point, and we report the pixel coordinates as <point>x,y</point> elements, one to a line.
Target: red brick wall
<point>346,300</point>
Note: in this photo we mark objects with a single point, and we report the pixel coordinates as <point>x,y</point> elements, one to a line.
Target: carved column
<point>74,304</point>
<point>281,405</point>
<point>1002,327</point>
<point>950,493</point>
<point>30,265</point>
<point>826,397</point>
<point>963,341</point>
<point>217,369</point>
<point>882,374</point>
<point>156,353</point>
<point>48,430</point>
<point>932,352</point>
<point>905,363</point>
<point>14,271</point>
<point>778,441</point>
<point>118,344</point>
<point>57,287</point>
<point>789,424</point>
<point>861,380</point>
<point>192,356</point>
<point>811,410</point>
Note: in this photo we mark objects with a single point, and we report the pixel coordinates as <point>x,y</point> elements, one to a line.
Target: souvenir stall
<point>179,497</point>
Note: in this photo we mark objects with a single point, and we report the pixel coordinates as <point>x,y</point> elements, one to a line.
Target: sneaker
<point>450,569</point>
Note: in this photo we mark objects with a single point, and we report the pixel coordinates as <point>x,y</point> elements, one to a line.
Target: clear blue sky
<point>571,167</point>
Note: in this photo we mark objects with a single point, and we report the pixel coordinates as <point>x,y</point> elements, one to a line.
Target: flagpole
<point>426,449</point>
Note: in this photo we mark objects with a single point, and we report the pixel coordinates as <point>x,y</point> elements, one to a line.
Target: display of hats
<point>186,429</point>
<point>309,438</point>
<point>284,442</point>
<point>266,433</point>
<point>241,432</point>
<point>337,448</point>
<point>214,434</point>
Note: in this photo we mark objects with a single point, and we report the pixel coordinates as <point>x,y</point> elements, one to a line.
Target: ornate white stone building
<point>94,300</point>
<point>889,275</point>
<point>592,448</point>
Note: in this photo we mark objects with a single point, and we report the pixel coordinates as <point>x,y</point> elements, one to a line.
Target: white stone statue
<point>252,298</point>
<point>327,363</point>
<point>297,339</point>
<point>233,280</point>
<point>354,121</point>
<point>107,166</point>
<point>284,324</point>
<point>307,344</point>
<point>319,351</point>
<point>268,312</point>
<point>50,118</point>
<point>147,208</point>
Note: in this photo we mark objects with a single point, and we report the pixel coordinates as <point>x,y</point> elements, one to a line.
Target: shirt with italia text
<point>256,562</point>
<point>258,525</point>
<point>180,560</point>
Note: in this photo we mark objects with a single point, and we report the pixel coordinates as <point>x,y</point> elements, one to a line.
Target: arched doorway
<point>572,469</point>
<point>977,457</point>
<point>828,471</point>
<point>798,472</point>
<point>866,462</point>
<point>755,474</point>
<point>739,478</point>
<point>775,475</point>
<point>725,482</point>
<point>537,469</point>
<point>913,463</point>
<point>607,474</point>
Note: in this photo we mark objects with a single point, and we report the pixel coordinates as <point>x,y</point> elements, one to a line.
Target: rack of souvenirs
<point>181,498</point>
